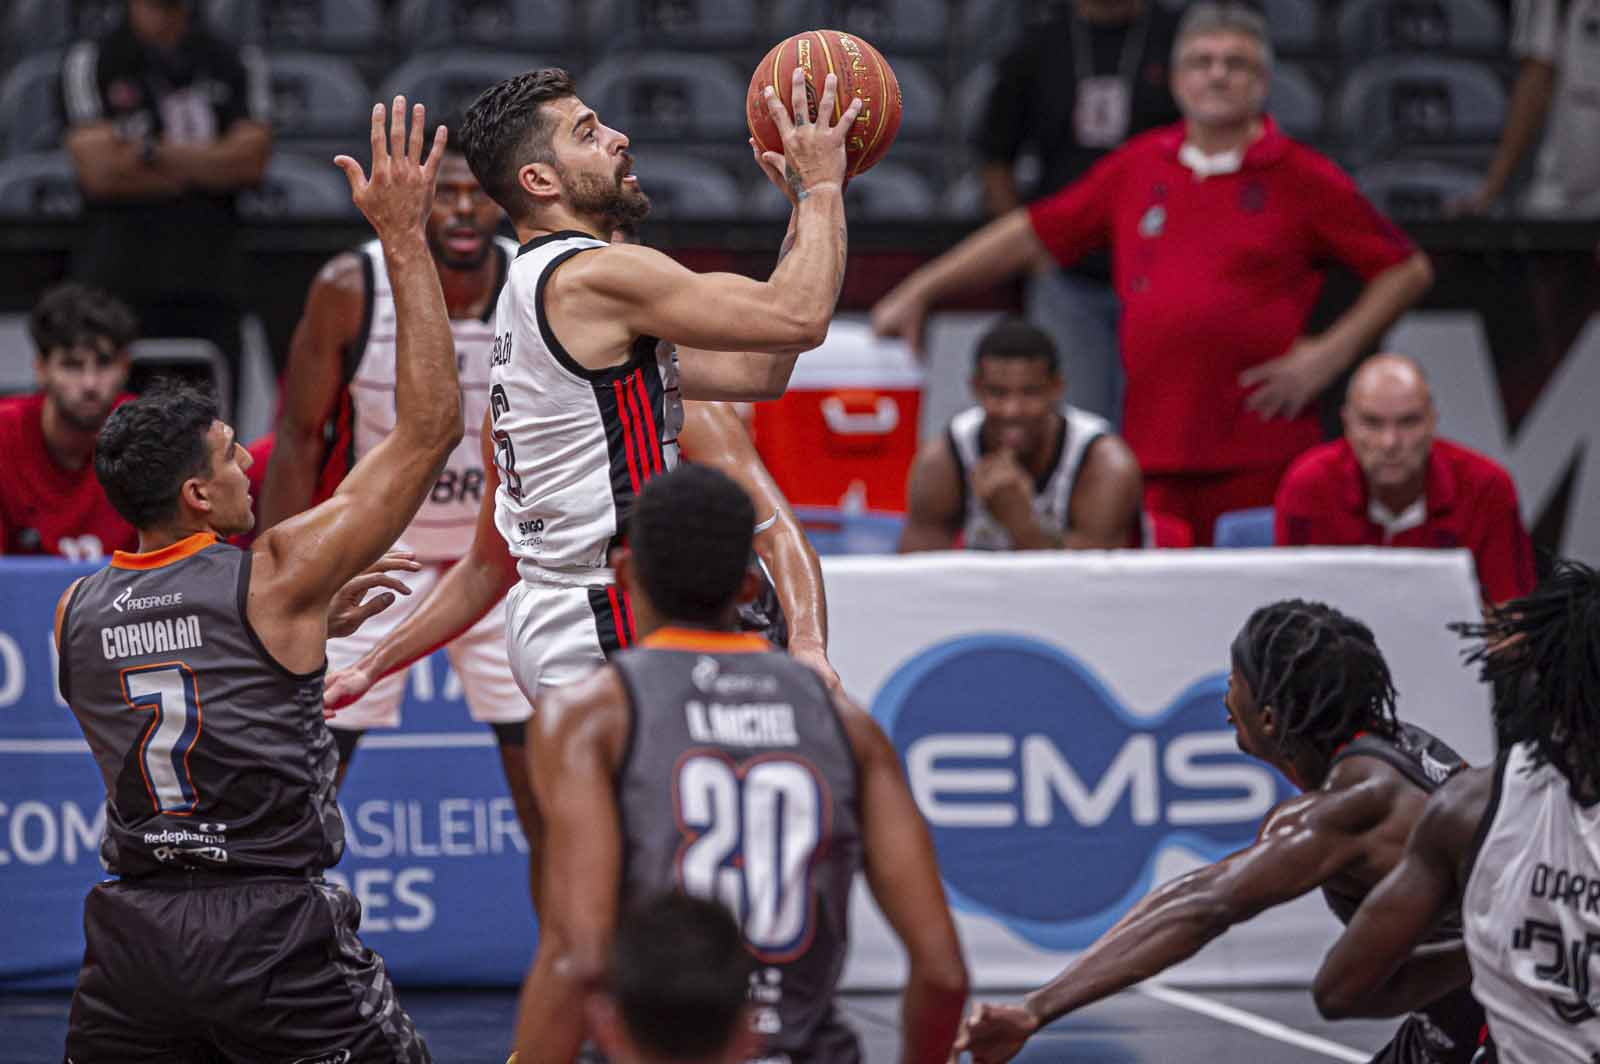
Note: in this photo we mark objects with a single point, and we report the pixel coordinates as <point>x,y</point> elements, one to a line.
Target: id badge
<point>1103,112</point>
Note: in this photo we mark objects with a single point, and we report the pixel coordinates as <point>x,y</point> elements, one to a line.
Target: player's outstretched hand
<point>350,608</point>
<point>398,195</point>
<point>343,687</point>
<point>993,1033</point>
<point>903,313</point>
<point>814,151</point>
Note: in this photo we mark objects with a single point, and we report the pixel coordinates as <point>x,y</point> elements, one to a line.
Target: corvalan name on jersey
<point>126,601</point>
<point>742,724</point>
<point>150,637</point>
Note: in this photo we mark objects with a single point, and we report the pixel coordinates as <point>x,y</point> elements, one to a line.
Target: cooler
<point>844,434</point>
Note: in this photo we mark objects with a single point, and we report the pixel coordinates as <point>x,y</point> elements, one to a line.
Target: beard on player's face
<point>606,197</point>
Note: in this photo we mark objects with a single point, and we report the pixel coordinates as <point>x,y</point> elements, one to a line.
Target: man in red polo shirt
<point>50,501</point>
<point>1220,229</point>
<point>1391,483</point>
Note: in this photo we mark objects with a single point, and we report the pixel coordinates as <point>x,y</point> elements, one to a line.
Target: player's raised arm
<point>903,875</point>
<point>310,556</point>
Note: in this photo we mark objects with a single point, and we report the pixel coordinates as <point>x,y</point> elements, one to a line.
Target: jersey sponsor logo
<point>126,601</point>
<point>182,835</point>
<point>150,637</point>
<point>707,678</point>
<point>1023,798</point>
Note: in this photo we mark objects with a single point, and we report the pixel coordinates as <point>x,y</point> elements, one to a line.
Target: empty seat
<point>672,23</point>
<point>297,188</point>
<point>32,25</point>
<point>450,80</point>
<point>1294,25</point>
<point>40,185</point>
<point>970,102</point>
<point>152,355</point>
<point>668,96</point>
<point>788,17</point>
<point>890,192</point>
<point>1367,27</point>
<point>683,186</point>
<point>16,355</point>
<point>346,25</point>
<point>1393,103</point>
<point>1294,100</point>
<point>893,25</point>
<point>317,96</point>
<point>964,198</point>
<point>495,23</point>
<point>30,105</point>
<point>1244,528</point>
<point>1416,189</point>
<point>922,99</point>
<point>994,27</point>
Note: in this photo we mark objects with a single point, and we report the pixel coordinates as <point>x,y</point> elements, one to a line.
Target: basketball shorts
<point>1446,1032</point>
<point>477,655</point>
<point>232,968</point>
<point>558,634</point>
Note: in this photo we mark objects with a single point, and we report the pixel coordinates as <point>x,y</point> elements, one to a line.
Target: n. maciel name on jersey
<point>150,637</point>
<point>742,723</point>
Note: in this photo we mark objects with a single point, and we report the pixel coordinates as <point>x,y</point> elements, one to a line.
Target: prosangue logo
<point>1049,800</point>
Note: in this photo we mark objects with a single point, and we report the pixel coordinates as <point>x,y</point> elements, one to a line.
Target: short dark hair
<point>73,314</point>
<point>507,127</point>
<point>1012,337</point>
<point>149,446</point>
<point>680,974</point>
<point>690,534</point>
<point>1320,671</point>
<point>1542,654</point>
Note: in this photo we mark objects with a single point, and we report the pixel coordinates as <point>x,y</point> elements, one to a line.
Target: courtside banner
<point>1060,720</point>
<point>433,850</point>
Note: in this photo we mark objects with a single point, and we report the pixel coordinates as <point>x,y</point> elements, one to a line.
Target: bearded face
<point>616,198</point>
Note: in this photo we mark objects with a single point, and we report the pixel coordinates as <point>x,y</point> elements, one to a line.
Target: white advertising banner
<point>1060,719</point>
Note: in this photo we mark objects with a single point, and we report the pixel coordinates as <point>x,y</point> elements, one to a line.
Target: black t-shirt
<point>192,95</point>
<point>1035,102</point>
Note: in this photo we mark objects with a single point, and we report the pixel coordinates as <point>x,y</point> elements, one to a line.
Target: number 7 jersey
<point>572,445</point>
<point>739,785</point>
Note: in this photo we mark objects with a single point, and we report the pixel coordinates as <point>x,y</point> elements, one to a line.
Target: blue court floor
<point>1159,1026</point>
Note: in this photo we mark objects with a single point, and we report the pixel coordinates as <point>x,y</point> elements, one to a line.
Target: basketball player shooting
<point>195,671</point>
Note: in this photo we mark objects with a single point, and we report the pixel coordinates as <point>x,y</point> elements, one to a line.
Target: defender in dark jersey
<point>195,670</point>
<point>1309,694</point>
<point>703,760</point>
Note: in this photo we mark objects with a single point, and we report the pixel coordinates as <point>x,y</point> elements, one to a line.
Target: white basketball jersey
<point>1052,499</point>
<point>573,446</point>
<point>1532,916</point>
<point>443,527</point>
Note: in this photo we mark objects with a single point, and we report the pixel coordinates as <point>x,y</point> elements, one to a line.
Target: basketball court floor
<point>1157,1025</point>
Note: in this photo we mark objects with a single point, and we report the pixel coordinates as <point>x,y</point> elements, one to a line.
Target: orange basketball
<point>861,70</point>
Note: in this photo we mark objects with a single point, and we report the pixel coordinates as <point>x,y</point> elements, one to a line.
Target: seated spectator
<point>1022,470</point>
<point>1391,483</point>
<point>50,501</point>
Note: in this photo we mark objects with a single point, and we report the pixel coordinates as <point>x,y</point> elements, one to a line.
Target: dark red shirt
<point>1215,276</point>
<point>45,509</point>
<point>1470,503</point>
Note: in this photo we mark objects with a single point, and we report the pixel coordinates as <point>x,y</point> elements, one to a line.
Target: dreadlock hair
<point>1542,654</point>
<point>1319,670</point>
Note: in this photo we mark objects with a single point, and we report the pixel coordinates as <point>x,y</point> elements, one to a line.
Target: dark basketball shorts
<point>1446,1032</point>
<point>232,969</point>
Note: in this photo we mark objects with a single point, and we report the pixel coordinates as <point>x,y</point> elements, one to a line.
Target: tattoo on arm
<point>787,245</point>
<point>844,258</point>
<point>793,177</point>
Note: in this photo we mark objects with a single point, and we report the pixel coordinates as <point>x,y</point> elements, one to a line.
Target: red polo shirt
<point>45,509</point>
<point>1470,503</point>
<point>1215,276</point>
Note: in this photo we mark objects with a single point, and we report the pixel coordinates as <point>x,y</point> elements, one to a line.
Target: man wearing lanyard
<point>1079,85</point>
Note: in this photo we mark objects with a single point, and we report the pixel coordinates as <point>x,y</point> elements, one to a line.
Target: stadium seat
<point>153,354</point>
<point>298,188</point>
<point>16,356</point>
<point>1160,531</point>
<point>30,105</point>
<point>317,96</point>
<point>887,192</point>
<point>341,25</point>
<point>964,198</point>
<point>39,185</point>
<point>689,24</point>
<point>993,27</point>
<point>485,23</point>
<point>1412,190</point>
<point>922,99</point>
<point>31,25</point>
<point>787,17</point>
<point>1393,103</point>
<point>970,102</point>
<point>668,96</point>
<point>1295,102</point>
<point>893,25</point>
<point>1369,27</point>
<point>1244,528</point>
<point>684,186</point>
<point>833,531</point>
<point>450,80</point>
<point>1295,26</point>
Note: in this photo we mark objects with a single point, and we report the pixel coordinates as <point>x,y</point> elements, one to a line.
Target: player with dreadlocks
<point>1515,845</point>
<point>1310,694</point>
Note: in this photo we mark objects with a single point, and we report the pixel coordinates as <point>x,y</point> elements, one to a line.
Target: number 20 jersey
<point>573,446</point>
<point>213,755</point>
<point>739,785</point>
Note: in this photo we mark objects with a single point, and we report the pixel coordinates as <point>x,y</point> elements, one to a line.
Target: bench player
<point>195,671</point>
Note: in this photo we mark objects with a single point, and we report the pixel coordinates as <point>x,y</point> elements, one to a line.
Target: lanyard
<point>1132,49</point>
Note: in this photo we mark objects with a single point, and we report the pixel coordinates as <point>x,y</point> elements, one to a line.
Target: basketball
<point>862,71</point>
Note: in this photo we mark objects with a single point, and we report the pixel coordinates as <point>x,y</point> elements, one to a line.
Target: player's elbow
<point>1419,272</point>
<point>1336,998</point>
<point>944,977</point>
